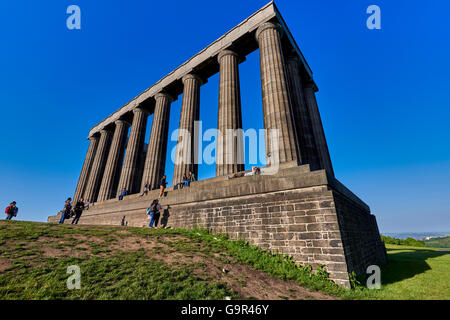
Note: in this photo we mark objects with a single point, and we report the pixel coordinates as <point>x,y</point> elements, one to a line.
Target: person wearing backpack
<point>154,214</point>
<point>65,214</point>
<point>11,210</point>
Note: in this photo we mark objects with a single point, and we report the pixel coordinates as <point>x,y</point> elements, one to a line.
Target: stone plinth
<point>306,214</point>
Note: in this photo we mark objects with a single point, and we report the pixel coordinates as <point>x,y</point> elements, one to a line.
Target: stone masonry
<point>306,214</point>
<point>301,209</point>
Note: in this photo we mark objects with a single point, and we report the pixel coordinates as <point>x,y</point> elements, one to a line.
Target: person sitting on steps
<point>123,194</point>
<point>255,171</point>
<point>146,189</point>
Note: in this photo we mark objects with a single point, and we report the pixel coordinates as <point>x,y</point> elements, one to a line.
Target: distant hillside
<point>403,242</point>
<point>443,242</point>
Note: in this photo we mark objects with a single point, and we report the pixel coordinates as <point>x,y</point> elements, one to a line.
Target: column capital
<point>93,137</point>
<point>139,110</point>
<point>121,121</point>
<point>163,94</point>
<point>190,76</point>
<point>104,131</point>
<point>265,26</point>
<point>226,52</point>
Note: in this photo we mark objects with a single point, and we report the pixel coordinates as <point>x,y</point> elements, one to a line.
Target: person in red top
<point>11,210</point>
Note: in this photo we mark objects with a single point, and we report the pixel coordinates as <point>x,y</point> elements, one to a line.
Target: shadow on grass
<point>407,263</point>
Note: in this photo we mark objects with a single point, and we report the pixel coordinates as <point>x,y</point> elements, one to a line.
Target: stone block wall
<point>305,214</point>
<point>301,223</point>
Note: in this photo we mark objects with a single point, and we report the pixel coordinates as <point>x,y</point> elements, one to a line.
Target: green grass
<point>412,273</point>
<point>108,273</point>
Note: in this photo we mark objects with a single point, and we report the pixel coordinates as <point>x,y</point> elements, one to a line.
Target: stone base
<point>302,213</point>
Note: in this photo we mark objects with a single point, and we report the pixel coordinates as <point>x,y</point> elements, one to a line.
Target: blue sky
<point>383,94</point>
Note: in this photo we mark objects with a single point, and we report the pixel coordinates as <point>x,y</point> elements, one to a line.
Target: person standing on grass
<point>162,186</point>
<point>154,213</point>
<point>65,214</point>
<point>11,210</point>
<point>79,207</point>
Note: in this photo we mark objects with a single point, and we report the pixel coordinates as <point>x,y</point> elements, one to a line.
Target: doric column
<point>229,150</point>
<point>190,108</point>
<point>130,167</point>
<point>108,187</point>
<point>155,160</point>
<point>277,112</point>
<point>98,167</point>
<point>87,165</point>
<point>302,121</point>
<point>319,134</point>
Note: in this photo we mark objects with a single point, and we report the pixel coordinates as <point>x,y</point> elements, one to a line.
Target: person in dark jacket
<point>11,210</point>
<point>123,193</point>
<point>154,213</point>
<point>65,214</point>
<point>79,207</point>
<point>162,186</point>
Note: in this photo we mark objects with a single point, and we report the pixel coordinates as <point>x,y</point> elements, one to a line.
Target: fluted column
<point>302,121</point>
<point>229,150</point>
<point>98,166</point>
<point>155,160</point>
<point>277,112</point>
<point>130,167</point>
<point>108,187</point>
<point>316,121</point>
<point>190,108</point>
<point>87,165</point>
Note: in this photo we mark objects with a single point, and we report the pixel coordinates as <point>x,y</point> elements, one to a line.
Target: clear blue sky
<point>384,95</point>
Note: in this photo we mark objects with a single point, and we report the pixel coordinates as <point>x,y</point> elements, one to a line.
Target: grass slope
<point>140,263</point>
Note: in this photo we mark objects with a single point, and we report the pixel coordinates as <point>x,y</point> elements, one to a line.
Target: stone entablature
<point>204,59</point>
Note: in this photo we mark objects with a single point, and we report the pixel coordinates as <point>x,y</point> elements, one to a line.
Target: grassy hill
<point>140,263</point>
<point>443,242</point>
